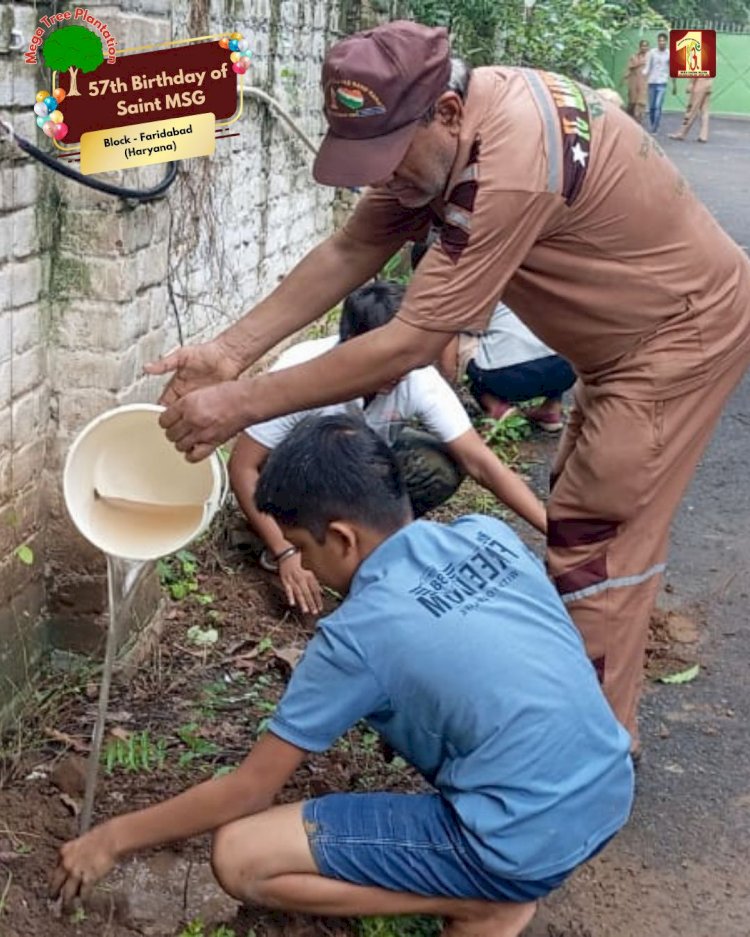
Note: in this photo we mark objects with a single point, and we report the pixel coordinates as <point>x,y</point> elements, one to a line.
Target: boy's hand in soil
<point>82,862</point>
<point>301,587</point>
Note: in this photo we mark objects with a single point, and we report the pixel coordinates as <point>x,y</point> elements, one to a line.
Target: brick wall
<point>90,287</point>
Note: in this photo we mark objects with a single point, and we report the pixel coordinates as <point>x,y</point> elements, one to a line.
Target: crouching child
<point>451,643</point>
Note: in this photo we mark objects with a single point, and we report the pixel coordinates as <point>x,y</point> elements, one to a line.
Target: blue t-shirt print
<point>454,645</point>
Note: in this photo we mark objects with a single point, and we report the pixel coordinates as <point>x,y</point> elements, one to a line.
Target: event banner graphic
<point>692,53</point>
<point>127,108</point>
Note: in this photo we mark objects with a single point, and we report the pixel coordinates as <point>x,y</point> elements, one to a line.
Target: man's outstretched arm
<point>319,281</point>
<point>202,420</point>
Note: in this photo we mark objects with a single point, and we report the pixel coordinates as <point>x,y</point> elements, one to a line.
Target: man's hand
<point>82,862</point>
<point>203,419</point>
<point>195,366</point>
<point>300,585</point>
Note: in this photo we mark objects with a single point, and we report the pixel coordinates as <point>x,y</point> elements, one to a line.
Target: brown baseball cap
<point>376,86</point>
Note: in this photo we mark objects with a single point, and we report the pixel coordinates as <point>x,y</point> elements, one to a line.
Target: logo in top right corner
<point>692,53</point>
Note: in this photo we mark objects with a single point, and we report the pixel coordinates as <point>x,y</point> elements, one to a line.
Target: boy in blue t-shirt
<point>453,644</point>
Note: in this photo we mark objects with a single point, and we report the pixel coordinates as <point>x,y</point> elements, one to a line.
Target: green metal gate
<point>731,90</point>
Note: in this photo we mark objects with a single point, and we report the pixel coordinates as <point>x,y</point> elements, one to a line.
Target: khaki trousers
<point>619,475</point>
<point>700,102</point>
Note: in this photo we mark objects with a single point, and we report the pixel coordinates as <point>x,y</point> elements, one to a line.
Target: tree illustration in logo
<point>72,48</point>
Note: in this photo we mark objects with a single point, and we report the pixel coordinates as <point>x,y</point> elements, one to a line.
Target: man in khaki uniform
<point>699,102</point>
<point>637,82</point>
<point>560,205</point>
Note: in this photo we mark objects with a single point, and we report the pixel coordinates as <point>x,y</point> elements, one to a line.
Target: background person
<point>699,103</point>
<point>656,70</point>
<point>588,249</point>
<point>453,644</point>
<point>637,83</point>
<point>507,364</point>
<point>433,462</point>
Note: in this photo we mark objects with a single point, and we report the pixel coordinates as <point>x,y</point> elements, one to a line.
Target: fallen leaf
<point>290,654</point>
<point>72,805</point>
<point>78,745</point>
<point>119,733</point>
<point>202,637</point>
<point>684,676</point>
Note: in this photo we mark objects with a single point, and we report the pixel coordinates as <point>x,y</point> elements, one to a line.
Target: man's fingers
<point>170,394</point>
<point>199,452</point>
<point>167,363</point>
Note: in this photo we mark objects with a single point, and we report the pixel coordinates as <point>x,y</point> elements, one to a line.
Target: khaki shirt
<point>568,211</point>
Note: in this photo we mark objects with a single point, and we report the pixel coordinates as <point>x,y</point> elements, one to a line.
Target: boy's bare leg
<point>266,860</point>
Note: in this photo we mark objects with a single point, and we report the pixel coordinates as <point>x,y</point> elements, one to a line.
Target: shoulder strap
<point>565,117</point>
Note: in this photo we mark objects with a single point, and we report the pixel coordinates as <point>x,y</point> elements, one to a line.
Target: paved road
<point>683,865</point>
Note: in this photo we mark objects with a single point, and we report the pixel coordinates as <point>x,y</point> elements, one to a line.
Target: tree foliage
<point>558,35</point>
<point>73,47</point>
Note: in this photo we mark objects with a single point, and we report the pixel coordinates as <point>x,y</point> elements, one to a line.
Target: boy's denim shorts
<point>408,843</point>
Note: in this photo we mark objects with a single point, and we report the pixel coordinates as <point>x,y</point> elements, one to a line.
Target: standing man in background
<point>656,70</point>
<point>699,102</point>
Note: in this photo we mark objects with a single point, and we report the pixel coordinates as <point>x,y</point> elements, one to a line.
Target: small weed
<point>134,754</point>
<point>78,916</point>
<point>197,747</point>
<point>25,554</point>
<point>499,433</point>
<point>414,926</point>
<point>197,928</point>
<point>178,574</point>
<point>396,269</point>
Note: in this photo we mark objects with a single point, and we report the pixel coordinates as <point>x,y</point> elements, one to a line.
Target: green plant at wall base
<point>136,753</point>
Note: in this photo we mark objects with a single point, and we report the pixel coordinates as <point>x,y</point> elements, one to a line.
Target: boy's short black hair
<point>662,36</point>
<point>369,307</point>
<point>333,468</point>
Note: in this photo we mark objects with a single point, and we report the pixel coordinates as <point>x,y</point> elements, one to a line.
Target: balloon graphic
<point>60,131</point>
<point>59,95</point>
<point>236,36</point>
<point>56,117</point>
<point>235,57</point>
<point>41,95</point>
<point>49,128</point>
<point>240,69</point>
<point>243,45</point>
<point>51,103</point>
<point>234,45</point>
<point>245,61</point>
<point>224,43</point>
<point>41,121</point>
<point>40,109</point>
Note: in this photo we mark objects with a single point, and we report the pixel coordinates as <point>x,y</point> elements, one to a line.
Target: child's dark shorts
<point>408,843</point>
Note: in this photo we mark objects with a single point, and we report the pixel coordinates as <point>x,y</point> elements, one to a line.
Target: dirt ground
<point>183,715</point>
